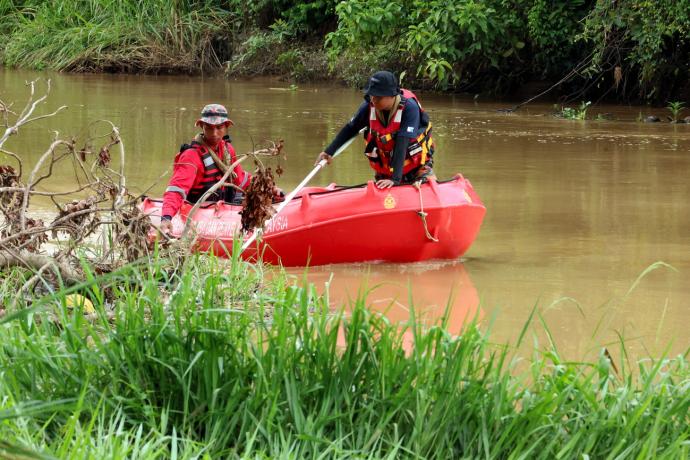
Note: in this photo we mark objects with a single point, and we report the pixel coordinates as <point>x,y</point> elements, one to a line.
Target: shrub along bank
<point>628,49</point>
<point>212,361</point>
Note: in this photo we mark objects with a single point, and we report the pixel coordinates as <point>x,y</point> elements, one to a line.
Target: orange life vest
<point>381,139</point>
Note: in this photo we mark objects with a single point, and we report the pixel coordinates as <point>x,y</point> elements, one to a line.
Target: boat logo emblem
<point>389,202</point>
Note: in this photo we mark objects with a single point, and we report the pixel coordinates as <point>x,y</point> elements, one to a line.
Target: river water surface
<point>576,210</point>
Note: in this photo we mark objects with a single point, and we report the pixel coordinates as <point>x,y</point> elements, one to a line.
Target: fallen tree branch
<point>101,207</point>
<point>26,259</point>
<point>123,231</point>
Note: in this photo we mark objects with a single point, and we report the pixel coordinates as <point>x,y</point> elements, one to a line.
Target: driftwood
<point>38,262</point>
<point>99,203</point>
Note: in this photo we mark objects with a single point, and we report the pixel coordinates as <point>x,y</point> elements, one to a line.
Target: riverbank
<point>214,360</point>
<point>460,47</point>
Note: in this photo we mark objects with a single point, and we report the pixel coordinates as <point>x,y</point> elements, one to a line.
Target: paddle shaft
<point>299,187</point>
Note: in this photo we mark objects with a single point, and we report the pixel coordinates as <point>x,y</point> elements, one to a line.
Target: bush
<point>456,43</point>
<point>646,42</point>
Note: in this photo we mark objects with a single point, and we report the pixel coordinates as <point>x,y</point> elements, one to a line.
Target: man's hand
<point>278,194</point>
<point>166,227</point>
<point>323,156</point>
<point>384,183</point>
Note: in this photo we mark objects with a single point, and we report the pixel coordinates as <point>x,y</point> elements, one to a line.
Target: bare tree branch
<point>24,117</point>
<point>16,157</point>
<point>25,202</point>
<point>36,261</point>
<point>40,193</point>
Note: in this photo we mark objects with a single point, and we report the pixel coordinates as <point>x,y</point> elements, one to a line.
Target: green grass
<point>229,365</point>
<point>107,35</point>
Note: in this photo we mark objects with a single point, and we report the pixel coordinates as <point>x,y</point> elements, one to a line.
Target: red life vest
<point>381,140</point>
<point>212,174</point>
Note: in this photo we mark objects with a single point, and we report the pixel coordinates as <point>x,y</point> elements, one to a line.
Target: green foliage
<point>675,107</point>
<point>626,48</point>
<point>355,66</point>
<point>362,24</point>
<point>270,53</point>
<point>553,27</point>
<point>257,52</point>
<point>501,43</point>
<point>570,113</point>
<point>469,34</point>
<point>649,40</point>
<point>445,42</point>
<point>291,63</point>
<point>151,35</point>
<point>300,17</point>
<point>310,17</point>
<point>367,39</point>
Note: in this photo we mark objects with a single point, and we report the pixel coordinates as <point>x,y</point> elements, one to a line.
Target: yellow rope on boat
<point>421,212</point>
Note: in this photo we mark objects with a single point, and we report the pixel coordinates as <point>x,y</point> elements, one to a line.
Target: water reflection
<point>432,292</point>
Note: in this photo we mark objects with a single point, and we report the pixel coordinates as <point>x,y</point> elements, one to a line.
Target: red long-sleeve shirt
<point>188,170</point>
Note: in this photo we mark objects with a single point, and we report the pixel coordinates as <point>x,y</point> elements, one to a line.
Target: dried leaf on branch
<point>132,232</point>
<point>258,200</point>
<point>9,179</point>
<point>8,176</point>
<point>76,216</point>
<point>104,152</point>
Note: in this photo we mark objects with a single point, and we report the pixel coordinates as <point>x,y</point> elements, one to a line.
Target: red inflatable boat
<point>328,225</point>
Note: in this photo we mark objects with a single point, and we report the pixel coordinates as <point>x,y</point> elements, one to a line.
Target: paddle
<point>299,187</point>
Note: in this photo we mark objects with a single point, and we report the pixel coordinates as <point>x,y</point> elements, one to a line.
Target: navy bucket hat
<point>382,83</point>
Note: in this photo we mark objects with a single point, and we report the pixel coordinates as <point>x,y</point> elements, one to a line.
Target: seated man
<point>196,167</point>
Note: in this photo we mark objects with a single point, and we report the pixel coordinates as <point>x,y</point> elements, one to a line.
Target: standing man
<point>196,168</point>
<point>399,144</point>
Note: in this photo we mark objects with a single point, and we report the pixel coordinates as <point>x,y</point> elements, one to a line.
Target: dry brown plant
<point>258,200</point>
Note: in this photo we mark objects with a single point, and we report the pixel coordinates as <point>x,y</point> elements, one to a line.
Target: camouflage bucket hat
<point>214,114</point>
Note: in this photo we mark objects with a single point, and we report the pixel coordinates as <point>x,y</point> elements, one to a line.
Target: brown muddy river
<point>576,210</point>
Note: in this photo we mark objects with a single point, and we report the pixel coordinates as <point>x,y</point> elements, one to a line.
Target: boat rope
<point>421,212</point>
